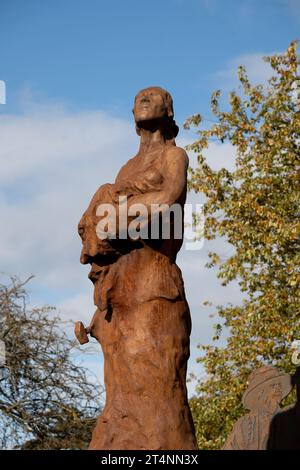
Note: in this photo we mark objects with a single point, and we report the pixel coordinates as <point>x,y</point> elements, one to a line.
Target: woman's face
<point>270,397</point>
<point>148,105</point>
<point>275,394</point>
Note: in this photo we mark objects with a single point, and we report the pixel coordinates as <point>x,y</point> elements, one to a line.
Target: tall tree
<point>47,401</point>
<point>255,208</point>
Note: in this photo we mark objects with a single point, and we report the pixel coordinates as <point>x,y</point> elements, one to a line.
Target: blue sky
<point>71,70</point>
<point>97,54</point>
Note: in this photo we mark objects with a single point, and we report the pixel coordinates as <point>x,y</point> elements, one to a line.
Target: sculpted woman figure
<point>142,319</point>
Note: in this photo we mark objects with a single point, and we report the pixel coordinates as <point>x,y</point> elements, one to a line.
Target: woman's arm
<point>174,174</point>
<point>149,208</point>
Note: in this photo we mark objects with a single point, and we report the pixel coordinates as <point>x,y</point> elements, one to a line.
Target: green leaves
<point>256,208</point>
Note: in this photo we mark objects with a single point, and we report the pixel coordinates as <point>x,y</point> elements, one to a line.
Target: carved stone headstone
<point>267,427</point>
<point>142,320</point>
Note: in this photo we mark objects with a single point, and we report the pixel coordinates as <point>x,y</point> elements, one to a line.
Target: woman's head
<point>266,388</point>
<point>154,106</point>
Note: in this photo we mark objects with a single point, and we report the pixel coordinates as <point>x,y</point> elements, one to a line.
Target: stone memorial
<point>267,426</point>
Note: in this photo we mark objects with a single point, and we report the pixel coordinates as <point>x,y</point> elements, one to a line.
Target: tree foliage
<point>255,208</point>
<point>47,401</point>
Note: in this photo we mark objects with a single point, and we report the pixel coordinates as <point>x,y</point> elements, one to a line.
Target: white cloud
<point>258,71</point>
<point>218,156</point>
<point>78,307</point>
<point>46,141</point>
<point>51,164</point>
<point>52,161</point>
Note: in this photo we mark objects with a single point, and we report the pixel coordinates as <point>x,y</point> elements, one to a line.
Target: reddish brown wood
<point>142,320</point>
